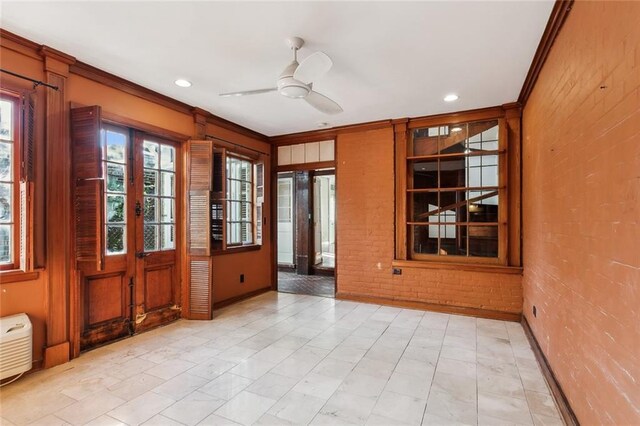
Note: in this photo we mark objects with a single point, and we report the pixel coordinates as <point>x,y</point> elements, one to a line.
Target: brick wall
<point>581,195</point>
<point>365,230</point>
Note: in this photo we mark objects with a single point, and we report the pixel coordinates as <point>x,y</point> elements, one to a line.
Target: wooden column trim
<point>199,123</point>
<point>513,113</point>
<point>58,209</point>
<point>400,133</point>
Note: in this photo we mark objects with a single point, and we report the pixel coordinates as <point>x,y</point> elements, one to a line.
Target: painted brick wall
<point>581,194</point>
<point>365,228</point>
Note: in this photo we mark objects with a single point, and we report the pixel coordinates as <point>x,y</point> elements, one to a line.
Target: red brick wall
<point>365,237</point>
<point>581,212</point>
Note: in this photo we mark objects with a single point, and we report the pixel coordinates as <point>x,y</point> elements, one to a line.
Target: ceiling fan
<point>296,81</point>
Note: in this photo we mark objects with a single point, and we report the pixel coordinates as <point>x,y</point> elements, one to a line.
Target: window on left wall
<point>13,184</point>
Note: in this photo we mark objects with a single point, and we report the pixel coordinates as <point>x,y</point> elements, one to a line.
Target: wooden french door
<point>128,282</point>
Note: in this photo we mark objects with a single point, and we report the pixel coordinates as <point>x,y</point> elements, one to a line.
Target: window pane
<point>245,191</point>
<point>167,211</point>
<point>115,177</point>
<point>246,211</point>
<point>168,237</point>
<point>453,241</point>
<point>483,241</point>
<point>115,239</point>
<point>484,209</point>
<point>423,204</point>
<point>115,208</point>
<point>425,174</point>
<point>453,173</point>
<point>150,237</point>
<point>5,202</point>
<point>150,151</point>
<point>6,120</point>
<point>247,233</point>
<point>167,157</point>
<point>168,184</point>
<point>5,243</point>
<point>425,141</point>
<point>6,162</point>
<point>150,209</point>
<point>150,182</point>
<point>455,140</point>
<point>425,239</point>
<point>116,145</point>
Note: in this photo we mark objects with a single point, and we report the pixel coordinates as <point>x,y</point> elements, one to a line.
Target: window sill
<point>238,249</point>
<point>472,267</point>
<point>13,276</point>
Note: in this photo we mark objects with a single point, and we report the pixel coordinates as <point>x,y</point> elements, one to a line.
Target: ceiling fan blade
<point>313,67</point>
<point>248,92</point>
<point>322,103</point>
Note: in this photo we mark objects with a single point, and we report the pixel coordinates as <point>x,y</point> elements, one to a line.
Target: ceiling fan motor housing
<point>289,86</point>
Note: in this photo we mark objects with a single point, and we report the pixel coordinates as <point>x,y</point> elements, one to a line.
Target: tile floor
<point>314,285</point>
<point>281,359</point>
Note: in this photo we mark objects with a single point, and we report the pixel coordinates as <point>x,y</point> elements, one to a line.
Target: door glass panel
<point>5,161</point>
<point>115,142</point>
<point>160,196</point>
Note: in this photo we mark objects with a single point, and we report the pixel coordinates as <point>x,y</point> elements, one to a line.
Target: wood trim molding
<point>306,166</point>
<point>434,307</point>
<point>229,125</point>
<point>326,134</point>
<point>459,266</point>
<point>144,127</point>
<point>568,416</point>
<point>558,16</point>
<point>236,299</point>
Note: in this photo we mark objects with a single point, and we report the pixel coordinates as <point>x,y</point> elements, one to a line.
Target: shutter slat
<point>29,126</point>
<point>89,186</point>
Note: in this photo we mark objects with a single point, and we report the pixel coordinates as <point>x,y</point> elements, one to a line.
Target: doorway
<point>306,232</point>
<point>136,287</point>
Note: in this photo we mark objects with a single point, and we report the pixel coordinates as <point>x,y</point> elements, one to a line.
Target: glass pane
<point>425,174</point>
<point>245,170</point>
<point>423,204</point>
<point>116,145</point>
<point>150,151</point>
<point>167,157</point>
<point>167,211</point>
<point>115,208</point>
<point>453,241</point>
<point>150,182</point>
<point>483,136</point>
<point>150,237</point>
<point>115,177</point>
<point>5,162</point>
<point>452,173</point>
<point>233,233</point>
<point>455,140</point>
<point>168,184</point>
<point>5,202</point>
<point>247,233</point>
<point>485,206</point>
<point>150,209</point>
<point>233,211</point>
<point>425,239</point>
<point>5,243</point>
<point>246,212</point>
<point>425,141</point>
<point>483,241</point>
<point>168,237</point>
<point>6,120</point>
<point>245,191</point>
<point>115,239</point>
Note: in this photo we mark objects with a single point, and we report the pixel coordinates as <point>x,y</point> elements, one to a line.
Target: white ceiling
<point>391,59</point>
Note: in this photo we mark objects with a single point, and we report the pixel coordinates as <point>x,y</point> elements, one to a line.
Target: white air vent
<point>15,345</point>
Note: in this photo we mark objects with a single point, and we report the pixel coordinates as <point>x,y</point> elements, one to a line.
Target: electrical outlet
<point>534,311</point>
<point>397,271</point>
<point>241,278</point>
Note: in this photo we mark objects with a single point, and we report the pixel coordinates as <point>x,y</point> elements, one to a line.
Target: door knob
<point>142,254</point>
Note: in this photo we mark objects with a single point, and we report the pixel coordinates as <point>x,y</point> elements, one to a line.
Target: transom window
<point>159,196</point>
<point>454,191</point>
<point>239,201</point>
<point>9,181</point>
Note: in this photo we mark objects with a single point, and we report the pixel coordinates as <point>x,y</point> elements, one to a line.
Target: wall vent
<point>16,349</point>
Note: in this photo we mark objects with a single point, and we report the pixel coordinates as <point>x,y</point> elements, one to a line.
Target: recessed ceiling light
<point>456,129</point>
<point>451,97</point>
<point>182,83</point>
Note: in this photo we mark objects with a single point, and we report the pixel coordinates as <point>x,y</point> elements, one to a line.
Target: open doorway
<point>306,232</point>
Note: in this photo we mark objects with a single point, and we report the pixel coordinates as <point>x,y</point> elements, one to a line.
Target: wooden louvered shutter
<point>218,196</point>
<point>259,201</point>
<point>26,181</point>
<point>200,286</point>
<point>89,185</point>
<point>28,141</point>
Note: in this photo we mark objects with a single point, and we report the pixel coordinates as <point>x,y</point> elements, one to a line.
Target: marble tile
<point>450,407</point>
<point>135,386</point>
<point>506,408</point>
<point>212,368</point>
<point>362,384</point>
<point>500,385</point>
<point>252,368</point>
<point>297,408</point>
<point>272,385</point>
<point>245,408</point>
<point>456,368</point>
<point>317,385</point>
<point>141,409</point>
<point>401,408</point>
<point>460,389</point>
<point>49,420</point>
<point>180,386</point>
<point>376,368</point>
<point>409,384</point>
<point>170,368</point>
<point>334,368</point>
<point>105,420</point>
<point>160,420</point>
<point>226,386</point>
<point>89,408</point>
<point>348,408</point>
<point>541,403</point>
<point>193,408</point>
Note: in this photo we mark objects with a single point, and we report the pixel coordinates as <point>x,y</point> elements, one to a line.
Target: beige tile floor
<point>292,359</point>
